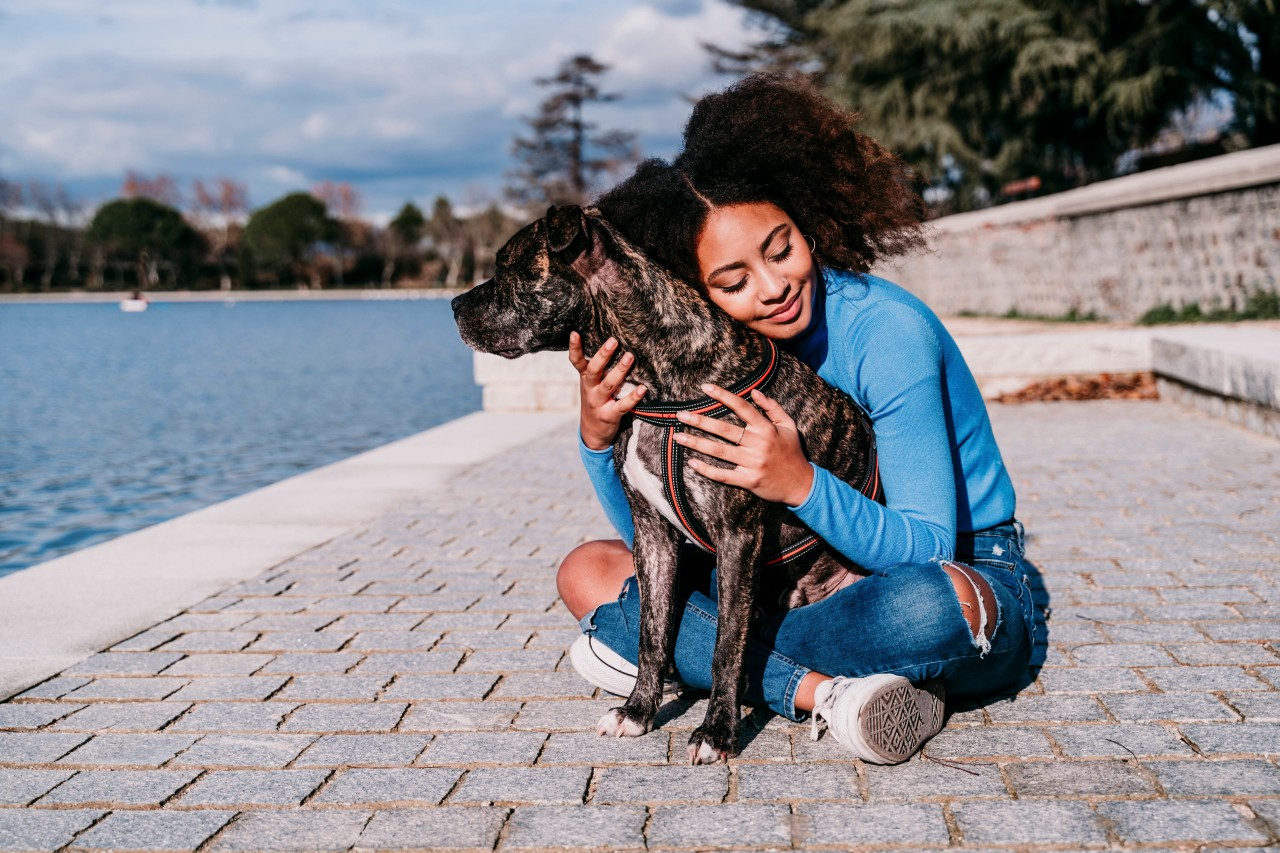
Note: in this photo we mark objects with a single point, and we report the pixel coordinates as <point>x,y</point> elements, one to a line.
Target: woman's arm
<point>604,479</point>
<point>898,373</point>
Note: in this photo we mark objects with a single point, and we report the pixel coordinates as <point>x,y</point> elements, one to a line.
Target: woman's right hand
<point>601,411</point>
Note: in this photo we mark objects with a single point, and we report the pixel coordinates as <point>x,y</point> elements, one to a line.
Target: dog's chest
<point>643,470</point>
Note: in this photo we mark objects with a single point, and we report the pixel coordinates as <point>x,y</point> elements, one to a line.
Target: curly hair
<point>776,139</point>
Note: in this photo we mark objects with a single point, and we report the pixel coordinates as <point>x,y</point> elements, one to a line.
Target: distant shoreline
<point>367,294</point>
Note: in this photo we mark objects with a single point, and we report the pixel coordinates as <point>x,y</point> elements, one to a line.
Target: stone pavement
<point>405,686</point>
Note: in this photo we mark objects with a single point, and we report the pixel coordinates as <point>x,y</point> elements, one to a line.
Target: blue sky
<point>405,100</point>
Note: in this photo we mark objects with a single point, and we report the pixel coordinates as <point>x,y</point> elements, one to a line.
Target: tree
<point>564,157</point>
<point>218,210</point>
<point>288,235</point>
<point>149,235</point>
<point>405,230</point>
<point>1253,67</point>
<point>448,237</point>
<point>982,93</point>
<point>162,188</point>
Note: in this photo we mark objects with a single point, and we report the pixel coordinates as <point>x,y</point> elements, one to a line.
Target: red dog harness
<point>664,415</point>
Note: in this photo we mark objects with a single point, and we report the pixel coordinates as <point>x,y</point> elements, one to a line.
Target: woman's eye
<point>734,288</point>
<point>783,255</point>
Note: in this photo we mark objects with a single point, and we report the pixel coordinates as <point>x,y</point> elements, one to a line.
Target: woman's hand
<point>767,456</point>
<point>601,411</point>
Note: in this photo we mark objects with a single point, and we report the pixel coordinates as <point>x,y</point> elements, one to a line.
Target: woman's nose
<point>774,288</point>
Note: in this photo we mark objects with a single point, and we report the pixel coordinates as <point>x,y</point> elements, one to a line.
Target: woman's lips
<point>788,312</point>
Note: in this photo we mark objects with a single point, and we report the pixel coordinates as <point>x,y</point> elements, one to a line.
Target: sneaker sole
<point>589,660</point>
<point>898,719</point>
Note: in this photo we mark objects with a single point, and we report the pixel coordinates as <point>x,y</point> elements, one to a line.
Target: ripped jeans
<point>905,621</point>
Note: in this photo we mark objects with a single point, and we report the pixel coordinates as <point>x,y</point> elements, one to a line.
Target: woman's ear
<point>566,226</point>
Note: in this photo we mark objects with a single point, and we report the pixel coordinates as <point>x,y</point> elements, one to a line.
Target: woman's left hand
<point>767,456</point>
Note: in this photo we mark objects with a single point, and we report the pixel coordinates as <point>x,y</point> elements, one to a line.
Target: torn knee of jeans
<point>977,633</point>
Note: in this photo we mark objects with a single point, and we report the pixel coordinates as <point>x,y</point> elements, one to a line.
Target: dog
<point>572,271</point>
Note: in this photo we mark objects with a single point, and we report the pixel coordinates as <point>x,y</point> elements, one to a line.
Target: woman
<point>776,207</point>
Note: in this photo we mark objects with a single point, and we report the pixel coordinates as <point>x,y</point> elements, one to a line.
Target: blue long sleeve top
<point>939,463</point>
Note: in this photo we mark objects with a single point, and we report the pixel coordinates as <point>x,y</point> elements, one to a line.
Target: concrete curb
<point>56,613</point>
<point>1231,372</point>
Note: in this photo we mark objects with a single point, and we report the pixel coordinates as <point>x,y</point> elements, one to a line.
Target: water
<point>110,422</point>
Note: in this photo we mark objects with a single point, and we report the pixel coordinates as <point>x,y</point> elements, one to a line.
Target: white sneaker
<point>883,719</point>
<point>606,669</point>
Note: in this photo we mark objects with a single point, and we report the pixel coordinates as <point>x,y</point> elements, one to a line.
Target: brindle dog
<point>573,271</point>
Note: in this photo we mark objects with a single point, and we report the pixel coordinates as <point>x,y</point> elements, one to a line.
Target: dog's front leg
<point>736,575</point>
<point>657,546</point>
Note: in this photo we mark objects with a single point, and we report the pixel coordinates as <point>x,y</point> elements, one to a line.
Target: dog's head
<point>541,289</point>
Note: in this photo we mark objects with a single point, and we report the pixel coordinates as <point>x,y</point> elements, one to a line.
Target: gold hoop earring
<point>813,246</point>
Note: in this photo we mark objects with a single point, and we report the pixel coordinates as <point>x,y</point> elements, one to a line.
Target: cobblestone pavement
<point>405,686</point>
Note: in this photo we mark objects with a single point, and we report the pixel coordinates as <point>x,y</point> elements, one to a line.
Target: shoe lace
<point>825,708</point>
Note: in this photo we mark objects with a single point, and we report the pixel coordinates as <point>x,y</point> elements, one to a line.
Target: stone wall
<point>1206,232</point>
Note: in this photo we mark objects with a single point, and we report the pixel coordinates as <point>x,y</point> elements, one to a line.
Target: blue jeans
<point>905,620</point>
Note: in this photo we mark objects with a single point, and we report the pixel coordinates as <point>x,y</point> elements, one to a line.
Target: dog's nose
<point>456,302</point>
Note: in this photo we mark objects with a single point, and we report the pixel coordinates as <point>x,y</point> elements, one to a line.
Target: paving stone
<point>1132,707</point>
<point>297,831</point>
<point>334,687</point>
<point>311,663</point>
<point>275,604</point>
<point>506,661</point>
<point>473,640</point>
<point>54,688</point>
<point>363,749</point>
<point>1203,778</point>
<point>1091,679</point>
<point>362,603</point>
<point>731,825</point>
<point>20,787</point>
<point>592,748</point>
<point>43,829</point>
<point>1046,709</point>
<point>1256,707</point>
<point>36,747</point>
<point>446,828</point>
<point>538,785</point>
<point>33,715</point>
<point>155,687</point>
<point>128,750</point>
<point>459,716</point>
<point>480,748</point>
<point>244,751</point>
<point>301,641</point>
<point>1153,632</point>
<point>773,783</point>
<point>1176,679</point>
<point>122,717</point>
<point>462,621</point>
<point>415,786</point>
<point>228,664</point>
<point>233,717</point>
<point>924,779</point>
<point>119,787</point>
<point>205,622</point>
<point>989,741</point>
<point>543,685</point>
<point>252,687</point>
<point>436,603</point>
<point>1172,821</point>
<point>1073,778</point>
<point>376,622</point>
<point>391,641</point>
<point>1118,740</point>
<point>581,827</point>
<point>1030,822</point>
<point>395,663</point>
<point>146,641</point>
<point>211,641</point>
<point>124,663</point>
<point>237,788</point>
<point>828,824</point>
<point>1251,629</point>
<point>346,717</point>
<point>664,784</point>
<point>1120,654</point>
<point>440,687</point>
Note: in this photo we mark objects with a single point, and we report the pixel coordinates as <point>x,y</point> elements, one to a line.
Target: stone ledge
<point>1232,372</point>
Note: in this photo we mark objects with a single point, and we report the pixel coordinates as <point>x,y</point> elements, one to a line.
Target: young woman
<point>777,208</point>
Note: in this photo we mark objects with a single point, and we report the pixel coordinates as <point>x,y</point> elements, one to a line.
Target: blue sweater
<point>939,463</point>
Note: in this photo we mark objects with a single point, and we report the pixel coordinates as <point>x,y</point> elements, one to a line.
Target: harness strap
<point>664,415</point>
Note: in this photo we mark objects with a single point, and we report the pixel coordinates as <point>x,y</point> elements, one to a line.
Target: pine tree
<point>563,158</point>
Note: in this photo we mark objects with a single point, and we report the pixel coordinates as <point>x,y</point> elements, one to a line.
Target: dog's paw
<point>706,748</point>
<point>618,723</point>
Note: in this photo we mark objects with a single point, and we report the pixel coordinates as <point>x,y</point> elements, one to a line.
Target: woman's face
<point>757,267</point>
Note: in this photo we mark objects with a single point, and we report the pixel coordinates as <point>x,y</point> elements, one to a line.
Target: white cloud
<point>404,99</point>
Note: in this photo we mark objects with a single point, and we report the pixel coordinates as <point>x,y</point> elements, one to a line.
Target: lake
<point>110,422</point>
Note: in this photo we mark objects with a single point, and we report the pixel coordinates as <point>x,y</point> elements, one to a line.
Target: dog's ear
<point>566,229</point>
